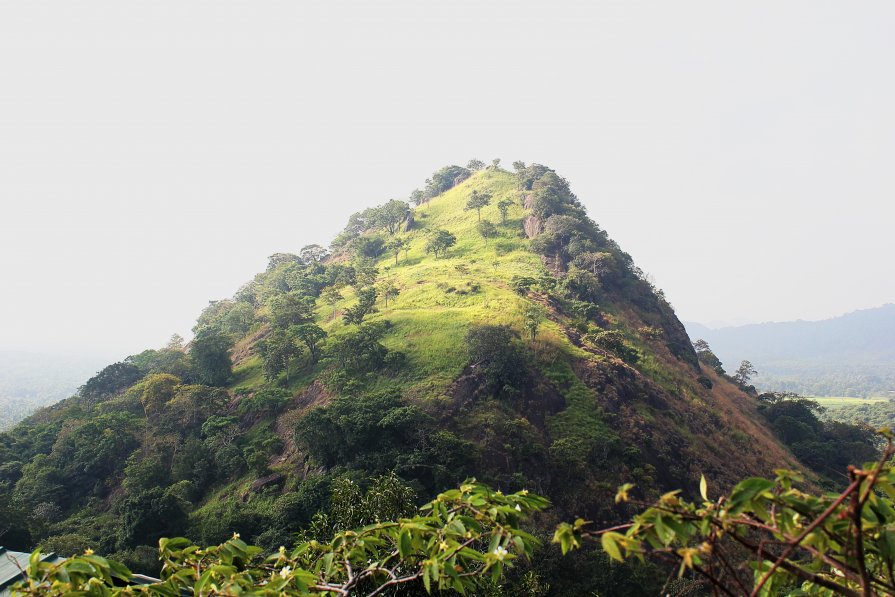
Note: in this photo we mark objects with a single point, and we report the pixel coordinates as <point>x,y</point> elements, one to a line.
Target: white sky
<point>153,154</point>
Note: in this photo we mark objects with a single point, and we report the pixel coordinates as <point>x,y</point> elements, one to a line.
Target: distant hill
<point>851,355</point>
<point>29,381</point>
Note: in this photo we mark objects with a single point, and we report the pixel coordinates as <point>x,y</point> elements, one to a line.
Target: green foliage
<point>504,207</point>
<point>495,354</point>
<point>583,310</point>
<point>387,498</point>
<point>311,254</point>
<point>707,357</point>
<point>388,290</point>
<point>418,197</point>
<point>360,350</point>
<point>614,341</point>
<point>477,201</point>
<point>368,247</point>
<point>461,541</point>
<point>166,360</point>
<point>278,259</point>
<point>522,284</point>
<point>392,214</point>
<point>528,175</point>
<point>332,296</point>
<point>444,179</point>
<point>439,242</point>
<point>270,400</point>
<point>310,335</point>
<point>396,245</point>
<point>825,446</point>
<point>238,320</point>
<point>487,230</point>
<point>598,263</point>
<point>532,316</point>
<point>371,432</point>
<point>150,515</point>
<point>112,380</point>
<point>743,374</point>
<point>366,302</point>
<point>875,413</point>
<point>291,308</point>
<point>364,273</point>
<point>277,350</point>
<point>408,395</point>
<point>549,195</point>
<point>794,542</point>
<point>210,358</point>
<point>94,451</point>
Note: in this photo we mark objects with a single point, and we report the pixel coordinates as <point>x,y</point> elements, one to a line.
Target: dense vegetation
<point>493,331</point>
<point>876,414</point>
<point>767,537</point>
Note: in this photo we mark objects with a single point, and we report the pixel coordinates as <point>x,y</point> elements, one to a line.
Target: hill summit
<point>491,330</point>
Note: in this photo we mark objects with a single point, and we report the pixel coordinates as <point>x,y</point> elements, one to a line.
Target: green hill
<point>530,352</point>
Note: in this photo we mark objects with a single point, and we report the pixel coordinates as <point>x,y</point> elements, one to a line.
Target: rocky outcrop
<point>532,226</point>
<point>264,482</point>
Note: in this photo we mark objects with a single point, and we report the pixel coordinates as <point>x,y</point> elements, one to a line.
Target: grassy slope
<point>437,303</point>
<point>833,402</point>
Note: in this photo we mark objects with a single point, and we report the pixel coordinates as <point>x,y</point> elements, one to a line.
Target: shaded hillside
<point>493,331</point>
<point>851,355</point>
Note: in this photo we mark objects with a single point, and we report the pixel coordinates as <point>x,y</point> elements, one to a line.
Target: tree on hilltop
<point>366,299</point>
<point>310,335</point>
<point>504,206</point>
<point>396,245</point>
<point>744,373</point>
<point>277,351</point>
<point>417,197</point>
<point>477,201</point>
<point>388,290</point>
<point>391,215</point>
<point>291,308</point>
<point>210,357</point>
<point>440,242</point>
<point>310,254</point>
<point>331,296</point>
<point>487,230</point>
<point>705,355</point>
<point>532,316</point>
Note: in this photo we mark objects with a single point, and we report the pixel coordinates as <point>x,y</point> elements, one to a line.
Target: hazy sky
<point>153,154</point>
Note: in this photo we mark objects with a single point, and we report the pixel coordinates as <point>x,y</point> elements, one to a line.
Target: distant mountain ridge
<point>849,355</point>
<point>31,380</point>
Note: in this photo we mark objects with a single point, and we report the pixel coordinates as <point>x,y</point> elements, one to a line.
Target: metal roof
<point>12,563</point>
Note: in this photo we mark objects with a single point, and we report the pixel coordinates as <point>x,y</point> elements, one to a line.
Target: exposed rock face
<point>259,484</point>
<point>532,226</point>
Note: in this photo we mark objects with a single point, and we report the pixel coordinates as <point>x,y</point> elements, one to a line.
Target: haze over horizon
<point>743,161</point>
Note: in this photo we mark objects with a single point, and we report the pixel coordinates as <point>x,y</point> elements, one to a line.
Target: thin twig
<point>792,546</point>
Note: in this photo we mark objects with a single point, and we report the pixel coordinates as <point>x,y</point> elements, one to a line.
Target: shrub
<point>494,352</point>
<point>614,342</point>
